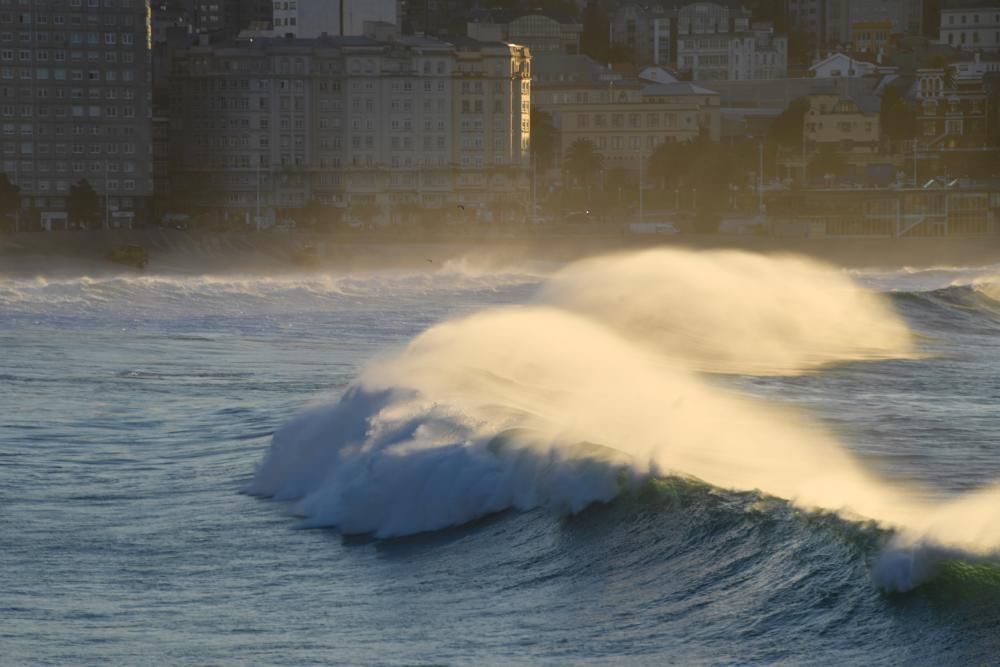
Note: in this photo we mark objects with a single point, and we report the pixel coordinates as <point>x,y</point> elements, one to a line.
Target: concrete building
<point>971,25</point>
<point>714,44</point>
<point>312,18</point>
<point>625,119</point>
<point>830,23</point>
<point>841,123</point>
<point>627,122</point>
<point>75,83</point>
<point>952,111</point>
<point>380,121</point>
<point>644,31</point>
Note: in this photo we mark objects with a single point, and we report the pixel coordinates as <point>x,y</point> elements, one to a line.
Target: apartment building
<point>75,84</point>
<point>717,44</point>
<point>380,120</point>
<point>971,25</point>
<point>638,118</point>
<point>625,119</point>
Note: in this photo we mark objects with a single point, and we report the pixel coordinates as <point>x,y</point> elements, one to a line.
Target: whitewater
<point>698,457</point>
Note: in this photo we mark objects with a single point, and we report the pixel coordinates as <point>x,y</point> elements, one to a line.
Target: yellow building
<point>870,36</point>
<point>626,120</point>
<point>843,123</point>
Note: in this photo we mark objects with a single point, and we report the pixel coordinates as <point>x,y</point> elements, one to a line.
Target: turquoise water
<point>137,409</point>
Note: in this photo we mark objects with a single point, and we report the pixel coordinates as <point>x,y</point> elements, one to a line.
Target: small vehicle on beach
<point>129,255</point>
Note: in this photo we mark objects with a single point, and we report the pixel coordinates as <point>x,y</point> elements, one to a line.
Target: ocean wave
<point>248,291</point>
<point>589,391</point>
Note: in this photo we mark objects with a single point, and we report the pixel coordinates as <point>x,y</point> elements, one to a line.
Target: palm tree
<point>582,162</point>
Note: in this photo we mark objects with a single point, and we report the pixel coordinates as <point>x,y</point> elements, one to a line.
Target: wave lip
<point>407,449</point>
<point>390,464</point>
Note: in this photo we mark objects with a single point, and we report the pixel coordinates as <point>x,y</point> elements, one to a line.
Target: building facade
<point>382,121</point>
<point>971,25</point>
<point>625,119</point>
<point>75,82</point>
<point>952,111</point>
<point>714,44</point>
<point>644,31</point>
<point>831,23</point>
<point>838,122</point>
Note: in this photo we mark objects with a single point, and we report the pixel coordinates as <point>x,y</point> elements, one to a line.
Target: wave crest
<point>592,389</point>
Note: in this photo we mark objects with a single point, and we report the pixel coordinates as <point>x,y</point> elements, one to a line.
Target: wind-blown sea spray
<point>733,311</point>
<point>574,398</point>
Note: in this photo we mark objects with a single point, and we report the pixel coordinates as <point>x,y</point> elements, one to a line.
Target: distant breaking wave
<point>153,291</point>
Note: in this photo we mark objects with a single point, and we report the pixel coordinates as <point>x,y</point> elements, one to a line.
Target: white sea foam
<point>566,401</point>
<point>241,291</point>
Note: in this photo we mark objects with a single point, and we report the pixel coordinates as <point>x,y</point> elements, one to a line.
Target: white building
<point>841,65</point>
<point>714,45</point>
<point>976,68</point>
<point>971,25</point>
<point>311,18</point>
<point>384,120</point>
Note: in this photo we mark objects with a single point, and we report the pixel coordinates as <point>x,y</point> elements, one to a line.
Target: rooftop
<point>676,89</point>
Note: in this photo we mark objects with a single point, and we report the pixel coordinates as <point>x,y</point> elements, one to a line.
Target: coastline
<point>174,251</point>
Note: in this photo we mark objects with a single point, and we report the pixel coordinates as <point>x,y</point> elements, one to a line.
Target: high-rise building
<point>75,84</point>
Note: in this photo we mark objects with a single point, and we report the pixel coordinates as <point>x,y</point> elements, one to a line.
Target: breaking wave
<point>594,389</point>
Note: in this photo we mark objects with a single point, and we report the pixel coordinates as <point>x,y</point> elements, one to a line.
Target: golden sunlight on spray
<point>734,311</point>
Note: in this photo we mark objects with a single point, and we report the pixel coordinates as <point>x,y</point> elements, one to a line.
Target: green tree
<point>898,122</point>
<point>10,199</point>
<point>582,163</point>
<point>827,162</point>
<point>786,129</point>
<point>544,139</point>
<point>665,164</point>
<point>83,203</point>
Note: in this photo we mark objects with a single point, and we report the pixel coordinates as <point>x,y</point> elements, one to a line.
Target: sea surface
<point>585,465</point>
